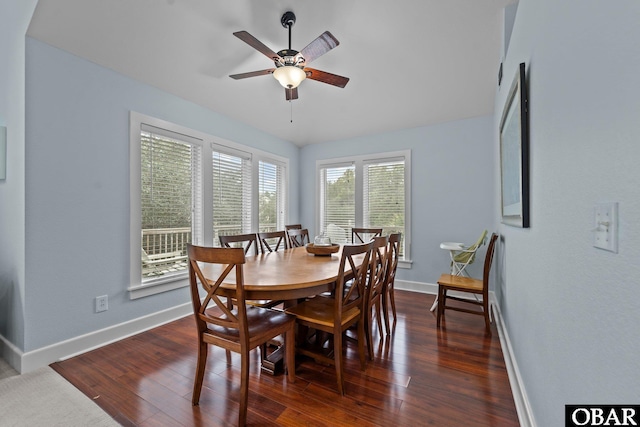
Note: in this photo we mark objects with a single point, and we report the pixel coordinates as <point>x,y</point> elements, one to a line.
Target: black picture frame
<point>514,154</point>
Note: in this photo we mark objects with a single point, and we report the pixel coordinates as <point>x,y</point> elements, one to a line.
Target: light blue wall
<point>14,20</point>
<point>452,186</point>
<point>571,309</point>
<point>77,190</point>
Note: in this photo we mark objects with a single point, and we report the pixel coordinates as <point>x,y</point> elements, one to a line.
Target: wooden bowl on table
<point>322,250</point>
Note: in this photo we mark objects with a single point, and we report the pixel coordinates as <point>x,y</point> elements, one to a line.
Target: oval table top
<point>283,275</point>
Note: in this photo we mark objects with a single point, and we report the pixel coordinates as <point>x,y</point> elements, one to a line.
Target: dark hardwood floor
<point>455,376</point>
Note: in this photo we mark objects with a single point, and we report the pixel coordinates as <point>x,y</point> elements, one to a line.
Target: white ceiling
<point>410,62</point>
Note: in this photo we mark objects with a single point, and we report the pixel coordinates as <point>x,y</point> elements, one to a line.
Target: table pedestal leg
<point>273,364</point>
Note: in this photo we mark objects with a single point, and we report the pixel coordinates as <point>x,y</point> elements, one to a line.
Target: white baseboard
<point>10,353</point>
<point>31,360</point>
<point>421,287</point>
<point>523,407</point>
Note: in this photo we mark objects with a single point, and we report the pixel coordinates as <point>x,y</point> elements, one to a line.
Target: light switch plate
<point>605,234</point>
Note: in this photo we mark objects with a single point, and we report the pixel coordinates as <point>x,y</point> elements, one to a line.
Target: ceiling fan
<point>290,65</point>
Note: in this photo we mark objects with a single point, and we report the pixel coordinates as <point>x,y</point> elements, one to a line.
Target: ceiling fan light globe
<point>289,76</point>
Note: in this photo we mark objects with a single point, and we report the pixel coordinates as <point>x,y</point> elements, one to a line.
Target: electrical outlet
<point>102,303</point>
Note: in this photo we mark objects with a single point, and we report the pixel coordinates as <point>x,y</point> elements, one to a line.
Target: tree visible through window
<point>271,196</point>
<point>366,192</point>
<point>338,215</point>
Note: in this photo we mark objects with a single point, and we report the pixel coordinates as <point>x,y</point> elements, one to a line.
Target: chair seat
<point>462,283</point>
<point>261,321</point>
<point>320,310</point>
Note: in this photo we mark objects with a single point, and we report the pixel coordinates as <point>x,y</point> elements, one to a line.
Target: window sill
<point>159,285</point>
<point>405,263</point>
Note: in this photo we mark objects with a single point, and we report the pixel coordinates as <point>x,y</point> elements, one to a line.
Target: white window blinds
<point>231,192</point>
<point>384,195</point>
<point>337,202</point>
<point>372,191</point>
<point>170,199</point>
<point>271,196</point>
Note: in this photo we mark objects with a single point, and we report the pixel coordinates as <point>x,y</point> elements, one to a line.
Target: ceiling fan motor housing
<point>288,19</point>
<point>288,57</point>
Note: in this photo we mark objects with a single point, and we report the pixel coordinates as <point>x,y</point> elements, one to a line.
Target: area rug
<point>44,398</point>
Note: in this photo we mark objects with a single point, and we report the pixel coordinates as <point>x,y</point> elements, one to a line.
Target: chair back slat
<point>298,237</point>
<point>364,235</point>
<point>378,266</point>
<point>488,259</point>
<point>393,257</point>
<point>246,241</point>
<point>278,241</point>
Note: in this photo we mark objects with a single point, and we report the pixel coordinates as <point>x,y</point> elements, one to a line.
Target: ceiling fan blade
<point>291,94</point>
<point>323,44</point>
<point>256,44</point>
<point>252,74</point>
<point>324,77</point>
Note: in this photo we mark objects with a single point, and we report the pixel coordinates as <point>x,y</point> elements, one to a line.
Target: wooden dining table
<point>288,276</point>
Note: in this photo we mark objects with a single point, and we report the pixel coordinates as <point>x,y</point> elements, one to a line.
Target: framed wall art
<point>514,153</point>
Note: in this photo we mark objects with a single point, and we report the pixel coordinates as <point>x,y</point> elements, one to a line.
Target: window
<point>170,183</point>
<point>366,191</point>
<point>383,195</point>
<point>191,187</point>
<point>337,201</point>
<point>271,196</point>
<point>231,193</point>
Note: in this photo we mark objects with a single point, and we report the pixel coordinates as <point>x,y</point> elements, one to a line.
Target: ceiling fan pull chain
<point>291,106</point>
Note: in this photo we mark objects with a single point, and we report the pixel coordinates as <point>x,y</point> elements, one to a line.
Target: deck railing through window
<point>164,250</point>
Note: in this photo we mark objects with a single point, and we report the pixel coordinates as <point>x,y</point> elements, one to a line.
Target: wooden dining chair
<point>337,314</point>
<point>246,241</point>
<point>298,237</point>
<point>388,297</point>
<point>291,227</point>
<point>450,282</point>
<point>278,241</point>
<point>375,288</point>
<point>363,235</point>
<point>240,329</point>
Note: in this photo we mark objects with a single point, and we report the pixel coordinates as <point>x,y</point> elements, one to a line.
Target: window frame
<point>359,162</point>
<point>137,288</point>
